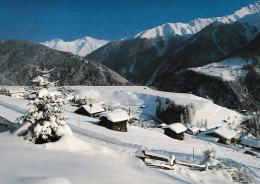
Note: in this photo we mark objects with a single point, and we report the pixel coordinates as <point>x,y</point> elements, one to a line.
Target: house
<point>251,142</point>
<point>114,120</point>
<point>17,93</point>
<point>193,130</point>
<point>175,130</point>
<point>90,110</point>
<point>223,134</point>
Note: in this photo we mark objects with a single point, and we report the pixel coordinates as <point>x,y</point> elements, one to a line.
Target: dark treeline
<point>170,112</point>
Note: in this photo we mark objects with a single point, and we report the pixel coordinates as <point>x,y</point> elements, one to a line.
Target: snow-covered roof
<point>194,129</point>
<point>249,141</point>
<point>116,115</point>
<point>177,127</point>
<point>222,132</point>
<point>93,108</point>
<point>19,90</point>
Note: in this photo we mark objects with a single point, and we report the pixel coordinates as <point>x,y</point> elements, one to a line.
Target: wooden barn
<point>90,110</point>
<point>114,120</point>
<point>175,130</point>
<point>222,134</point>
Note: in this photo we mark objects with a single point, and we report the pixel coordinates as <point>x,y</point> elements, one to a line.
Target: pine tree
<point>47,124</point>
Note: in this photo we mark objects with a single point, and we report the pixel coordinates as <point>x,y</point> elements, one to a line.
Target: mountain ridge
<point>81,47</point>
<point>19,60</point>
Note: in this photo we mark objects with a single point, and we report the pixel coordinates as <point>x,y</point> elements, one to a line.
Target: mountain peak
<point>187,29</point>
<point>80,47</point>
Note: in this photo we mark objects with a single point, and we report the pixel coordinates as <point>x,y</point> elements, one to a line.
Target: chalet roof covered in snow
<point>93,108</point>
<point>116,115</point>
<point>194,129</point>
<point>17,90</point>
<point>249,141</point>
<point>222,132</point>
<point>177,127</point>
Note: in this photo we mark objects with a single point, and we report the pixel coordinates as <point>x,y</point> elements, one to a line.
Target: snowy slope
<point>134,97</point>
<point>80,47</point>
<point>76,161</point>
<point>230,69</point>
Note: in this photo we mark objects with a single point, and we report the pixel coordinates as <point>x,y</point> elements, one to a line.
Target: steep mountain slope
<point>196,43</point>
<point>130,56</point>
<point>230,88</point>
<point>19,60</point>
<point>171,49</point>
<point>80,47</point>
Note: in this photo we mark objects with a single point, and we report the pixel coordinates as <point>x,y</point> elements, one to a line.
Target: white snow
<point>81,47</point>
<point>230,69</point>
<point>17,90</point>
<point>248,17</point>
<point>70,160</point>
<point>106,156</point>
<point>193,128</point>
<point>249,141</point>
<point>93,108</point>
<point>222,132</point>
<point>177,127</point>
<point>116,115</point>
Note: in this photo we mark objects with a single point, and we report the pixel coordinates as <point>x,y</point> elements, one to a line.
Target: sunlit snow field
<point>98,155</point>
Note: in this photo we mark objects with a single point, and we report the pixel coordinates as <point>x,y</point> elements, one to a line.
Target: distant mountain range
<point>216,58</point>
<point>80,47</point>
<point>19,60</point>
<point>161,56</point>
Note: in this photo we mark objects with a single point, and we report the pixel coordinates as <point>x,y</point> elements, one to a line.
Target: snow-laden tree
<point>46,123</point>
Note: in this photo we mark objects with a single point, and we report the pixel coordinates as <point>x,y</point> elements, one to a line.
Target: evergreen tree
<point>47,124</point>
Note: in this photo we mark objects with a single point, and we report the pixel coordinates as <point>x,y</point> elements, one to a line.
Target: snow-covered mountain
<point>162,55</point>
<point>80,47</point>
<point>242,17</point>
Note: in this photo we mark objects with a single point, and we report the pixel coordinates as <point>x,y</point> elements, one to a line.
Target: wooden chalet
<point>220,134</point>
<point>89,110</point>
<point>175,130</point>
<point>114,120</point>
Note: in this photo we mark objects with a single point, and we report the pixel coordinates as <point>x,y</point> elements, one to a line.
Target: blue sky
<point>42,20</point>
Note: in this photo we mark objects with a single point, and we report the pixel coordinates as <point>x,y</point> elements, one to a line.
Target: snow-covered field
<point>99,155</point>
<point>230,69</point>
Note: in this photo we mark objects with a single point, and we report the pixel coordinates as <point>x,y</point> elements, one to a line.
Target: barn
<point>175,130</point>
<point>90,110</point>
<point>114,120</point>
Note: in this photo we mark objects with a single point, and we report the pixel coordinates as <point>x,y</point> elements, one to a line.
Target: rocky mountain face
<point>161,57</point>
<point>19,60</point>
<point>80,47</point>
